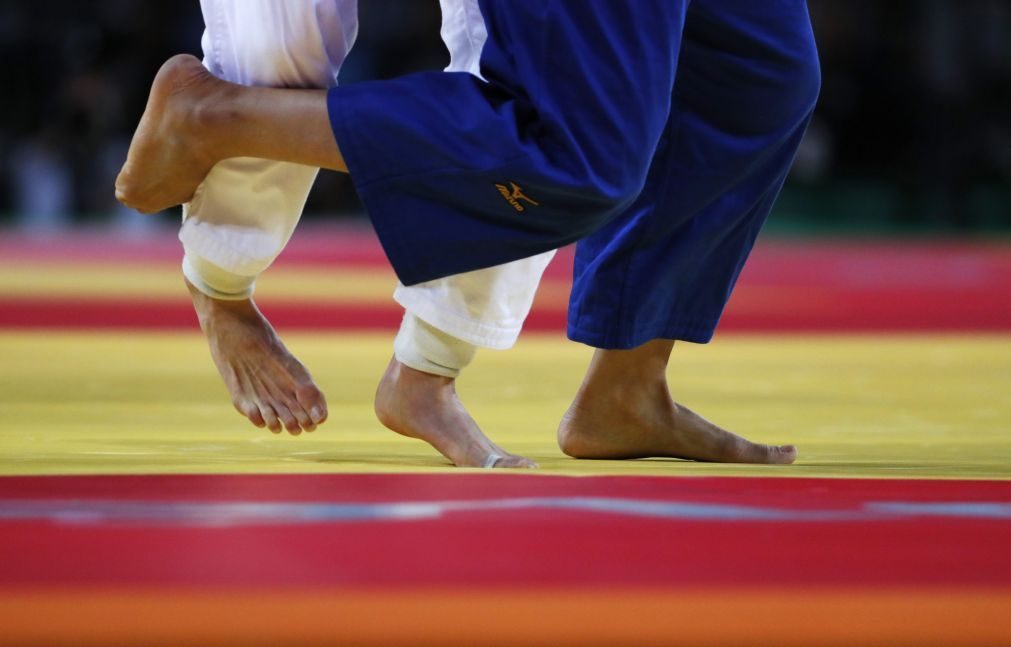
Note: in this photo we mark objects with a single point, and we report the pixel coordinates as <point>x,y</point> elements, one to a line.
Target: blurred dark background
<point>912,132</point>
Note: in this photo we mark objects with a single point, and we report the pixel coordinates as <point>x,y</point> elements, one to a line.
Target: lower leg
<point>624,410</point>
<point>417,398</point>
<point>267,383</point>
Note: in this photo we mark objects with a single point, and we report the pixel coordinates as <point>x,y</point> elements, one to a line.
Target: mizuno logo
<point>513,194</point>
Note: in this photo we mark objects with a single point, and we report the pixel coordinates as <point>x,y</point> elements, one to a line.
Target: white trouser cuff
<point>216,282</point>
<point>429,350</point>
<point>486,307</point>
<point>437,310</point>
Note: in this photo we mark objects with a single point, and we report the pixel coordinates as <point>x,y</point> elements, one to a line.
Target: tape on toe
<point>426,348</point>
<point>216,282</point>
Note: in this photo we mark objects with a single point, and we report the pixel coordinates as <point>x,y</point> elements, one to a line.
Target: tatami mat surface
<point>133,402</point>
<point>136,507</point>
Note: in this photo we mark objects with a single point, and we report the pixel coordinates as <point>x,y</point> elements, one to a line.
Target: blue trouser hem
<point>696,331</point>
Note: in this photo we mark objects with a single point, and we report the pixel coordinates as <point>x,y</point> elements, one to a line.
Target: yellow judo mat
<point>935,406</point>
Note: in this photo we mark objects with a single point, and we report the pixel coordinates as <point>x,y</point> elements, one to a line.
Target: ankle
<point>209,310</point>
<point>625,392</point>
<point>421,385</point>
<point>642,367</point>
<point>429,350</point>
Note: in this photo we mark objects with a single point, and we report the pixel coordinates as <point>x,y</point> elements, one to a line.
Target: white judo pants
<point>244,212</point>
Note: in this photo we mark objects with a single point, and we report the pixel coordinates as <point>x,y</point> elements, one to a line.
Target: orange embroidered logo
<point>513,194</point>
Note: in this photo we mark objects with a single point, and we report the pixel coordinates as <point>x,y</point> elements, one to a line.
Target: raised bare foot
<point>267,384</point>
<point>624,410</point>
<point>170,154</point>
<point>424,406</point>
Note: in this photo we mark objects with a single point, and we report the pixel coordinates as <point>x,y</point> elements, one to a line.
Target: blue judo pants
<point>657,133</point>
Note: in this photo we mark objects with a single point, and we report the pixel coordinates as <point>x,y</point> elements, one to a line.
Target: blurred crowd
<point>913,128</point>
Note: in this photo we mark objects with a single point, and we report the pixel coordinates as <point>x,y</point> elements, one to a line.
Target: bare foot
<point>170,154</point>
<point>624,410</point>
<point>424,406</point>
<point>267,384</point>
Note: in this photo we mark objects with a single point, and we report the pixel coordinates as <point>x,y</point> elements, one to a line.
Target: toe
<point>311,399</point>
<point>784,454</point>
<point>270,418</point>
<point>515,462</point>
<point>257,420</point>
<point>250,411</point>
<point>318,414</point>
<point>301,416</point>
<point>287,418</point>
<point>768,454</point>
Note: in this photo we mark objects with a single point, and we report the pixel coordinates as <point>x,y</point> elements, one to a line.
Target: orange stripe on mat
<point>542,617</point>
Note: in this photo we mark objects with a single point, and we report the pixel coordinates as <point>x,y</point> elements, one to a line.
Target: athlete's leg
<point>243,213</point>
<point>481,308</point>
<point>747,83</point>
<point>446,320</point>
